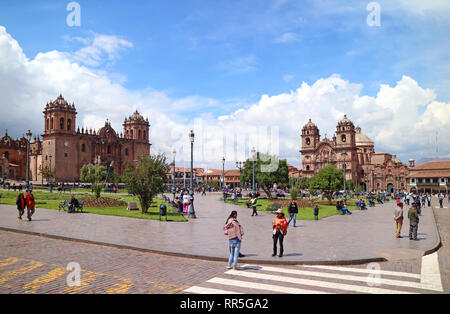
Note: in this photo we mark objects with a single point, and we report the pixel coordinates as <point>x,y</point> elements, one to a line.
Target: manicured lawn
<point>304,213</point>
<point>52,200</point>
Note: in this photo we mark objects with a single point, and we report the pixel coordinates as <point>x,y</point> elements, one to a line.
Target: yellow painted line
<point>9,261</point>
<point>52,275</point>
<point>4,277</point>
<point>121,287</point>
<point>87,277</point>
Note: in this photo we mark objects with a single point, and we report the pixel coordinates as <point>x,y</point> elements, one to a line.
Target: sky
<point>241,74</point>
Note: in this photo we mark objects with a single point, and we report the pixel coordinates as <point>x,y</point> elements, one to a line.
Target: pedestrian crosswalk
<point>317,279</point>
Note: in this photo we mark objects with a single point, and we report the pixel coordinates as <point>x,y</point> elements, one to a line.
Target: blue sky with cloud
<point>197,58</point>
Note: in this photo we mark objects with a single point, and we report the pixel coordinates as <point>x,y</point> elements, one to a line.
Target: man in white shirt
<point>398,217</point>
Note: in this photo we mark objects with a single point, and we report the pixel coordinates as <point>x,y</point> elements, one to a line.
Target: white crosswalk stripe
<point>312,279</point>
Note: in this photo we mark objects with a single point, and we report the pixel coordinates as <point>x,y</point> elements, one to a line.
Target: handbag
<point>225,230</point>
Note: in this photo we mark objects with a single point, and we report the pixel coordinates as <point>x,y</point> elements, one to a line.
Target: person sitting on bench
<point>73,204</point>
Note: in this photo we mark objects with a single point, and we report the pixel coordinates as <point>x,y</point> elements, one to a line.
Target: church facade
<point>371,170</point>
<point>65,149</point>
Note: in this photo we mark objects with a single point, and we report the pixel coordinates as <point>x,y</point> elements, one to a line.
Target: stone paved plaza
<point>362,237</point>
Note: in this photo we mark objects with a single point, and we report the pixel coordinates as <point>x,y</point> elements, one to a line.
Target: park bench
<point>64,205</point>
<point>273,207</point>
<point>80,206</point>
<point>65,189</point>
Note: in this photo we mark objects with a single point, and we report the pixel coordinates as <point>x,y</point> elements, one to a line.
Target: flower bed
<point>103,202</point>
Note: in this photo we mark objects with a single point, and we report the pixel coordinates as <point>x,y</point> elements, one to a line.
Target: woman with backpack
<point>234,231</point>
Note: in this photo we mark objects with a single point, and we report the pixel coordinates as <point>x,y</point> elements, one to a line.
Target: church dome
<point>345,121</point>
<point>362,139</point>
<point>60,103</point>
<point>310,126</point>
<point>107,131</point>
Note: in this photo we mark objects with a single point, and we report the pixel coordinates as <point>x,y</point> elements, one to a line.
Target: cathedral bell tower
<point>59,117</point>
<point>136,128</point>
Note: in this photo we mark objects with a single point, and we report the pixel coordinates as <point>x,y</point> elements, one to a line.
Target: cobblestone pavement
<point>361,236</point>
<point>33,264</point>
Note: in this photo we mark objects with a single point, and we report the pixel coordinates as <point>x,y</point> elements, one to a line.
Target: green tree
<point>269,170</point>
<point>94,174</point>
<point>147,179</point>
<point>328,179</point>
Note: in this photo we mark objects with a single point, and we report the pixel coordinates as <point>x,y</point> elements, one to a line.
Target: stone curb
<point>438,243</point>
<point>201,257</point>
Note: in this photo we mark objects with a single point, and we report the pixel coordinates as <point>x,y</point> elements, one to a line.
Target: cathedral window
<point>69,124</point>
<point>343,138</point>
<point>61,123</point>
<point>83,148</point>
<point>126,151</point>
<point>308,141</point>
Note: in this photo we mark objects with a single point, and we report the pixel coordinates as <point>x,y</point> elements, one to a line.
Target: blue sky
<point>233,52</point>
<point>228,50</point>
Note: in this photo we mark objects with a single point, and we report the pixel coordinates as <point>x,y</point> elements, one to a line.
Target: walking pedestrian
<point>235,232</point>
<point>29,198</point>
<point>21,204</point>
<point>413,222</point>
<point>279,229</point>
<point>186,202</point>
<point>253,201</point>
<point>293,211</point>
<point>398,218</point>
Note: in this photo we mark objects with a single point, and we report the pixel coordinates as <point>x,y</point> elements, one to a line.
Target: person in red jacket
<point>29,198</point>
<point>279,227</point>
<point>21,204</point>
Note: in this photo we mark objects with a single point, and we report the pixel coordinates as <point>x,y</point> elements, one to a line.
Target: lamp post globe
<point>191,208</point>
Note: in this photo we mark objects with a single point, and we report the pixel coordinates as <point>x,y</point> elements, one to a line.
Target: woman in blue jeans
<point>235,233</point>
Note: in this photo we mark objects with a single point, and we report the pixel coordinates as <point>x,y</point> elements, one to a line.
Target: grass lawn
<point>52,200</point>
<point>304,213</point>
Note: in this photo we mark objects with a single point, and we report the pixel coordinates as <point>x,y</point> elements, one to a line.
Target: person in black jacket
<point>293,211</point>
<point>21,205</point>
<point>73,204</point>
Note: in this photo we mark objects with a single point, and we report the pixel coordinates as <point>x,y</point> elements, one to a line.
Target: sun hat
<point>279,211</point>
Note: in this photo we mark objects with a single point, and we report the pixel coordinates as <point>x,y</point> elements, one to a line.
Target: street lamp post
<point>28,159</point>
<point>239,165</point>
<point>345,173</point>
<point>367,180</point>
<point>191,208</point>
<point>223,179</point>
<point>174,189</point>
<point>50,174</point>
<point>253,173</point>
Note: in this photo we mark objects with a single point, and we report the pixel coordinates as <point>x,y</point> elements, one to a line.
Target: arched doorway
<point>390,188</point>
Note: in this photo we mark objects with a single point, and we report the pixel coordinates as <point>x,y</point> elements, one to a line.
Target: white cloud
<point>99,48</point>
<point>399,119</point>
<point>287,38</point>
